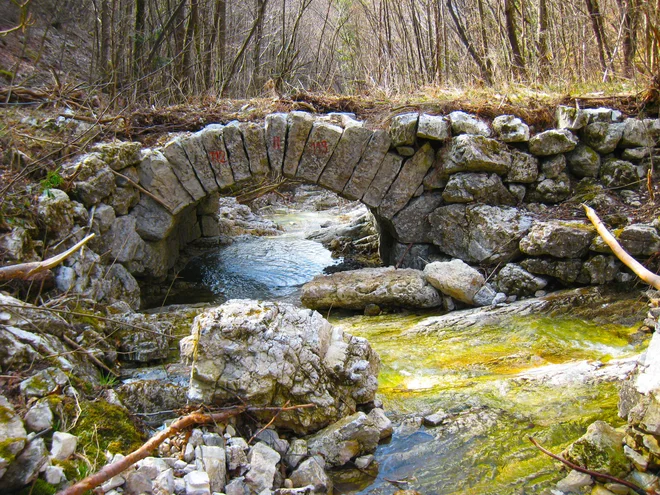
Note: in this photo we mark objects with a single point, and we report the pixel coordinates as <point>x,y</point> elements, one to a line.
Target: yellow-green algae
<point>473,369</point>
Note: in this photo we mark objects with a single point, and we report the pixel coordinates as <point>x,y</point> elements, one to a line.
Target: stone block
<point>434,127</point>
<point>406,183</point>
<point>383,179</point>
<point>403,129</point>
<point>238,159</point>
<point>255,144</point>
<point>276,127</point>
<point>182,169</point>
<point>318,150</point>
<point>157,176</point>
<point>346,156</point>
<point>368,166</point>
<point>510,129</point>
<point>199,160</point>
<point>552,142</point>
<point>212,139</point>
<point>571,118</point>
<point>300,125</point>
<point>465,123</point>
<point>475,154</point>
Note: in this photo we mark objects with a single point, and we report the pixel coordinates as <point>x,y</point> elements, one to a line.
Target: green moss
<point>70,468</point>
<point>6,414</point>
<point>5,451</point>
<point>103,426</point>
<point>39,487</point>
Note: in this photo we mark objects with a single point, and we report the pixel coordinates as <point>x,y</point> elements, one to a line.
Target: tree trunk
<point>543,48</point>
<point>485,70</point>
<point>217,37</point>
<point>188,72</point>
<point>512,34</point>
<point>138,37</point>
<point>104,55</point>
<point>256,54</point>
<point>627,9</point>
<point>597,24</point>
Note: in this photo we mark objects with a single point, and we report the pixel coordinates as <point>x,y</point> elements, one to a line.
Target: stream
<point>489,386</point>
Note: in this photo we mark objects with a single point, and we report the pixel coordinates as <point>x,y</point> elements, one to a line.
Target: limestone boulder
<point>524,168</point>
<point>465,123</point>
<point>477,187</point>
<point>263,466</point>
<point>434,127</point>
<point>26,467</point>
<point>311,472</point>
<point>385,287</point>
<point>118,155</point>
<point>93,179</point>
<point>514,280</point>
<point>12,435</point>
<point>558,239</point>
<point>403,129</point>
<point>157,176</point>
<point>604,137</point>
<point>571,118</point>
<point>144,338</point>
<point>636,133</point>
<point>553,166</point>
<point>270,353</point>
<point>619,174</point>
<point>549,190</point>
<point>600,449</point>
<point>411,223</point>
<point>57,212</point>
<point>567,271</point>
<point>479,233</point>
<point>552,142</point>
<point>510,129</point>
<point>344,440</point>
<point>17,246</point>
<point>455,278</point>
<point>583,161</point>
<point>475,154</point>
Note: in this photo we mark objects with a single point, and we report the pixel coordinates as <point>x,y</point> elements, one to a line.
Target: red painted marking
<point>218,156</point>
<point>319,147</point>
<point>277,143</point>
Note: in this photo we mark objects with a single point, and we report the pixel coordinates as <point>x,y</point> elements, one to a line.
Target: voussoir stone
<point>212,139</point>
<point>255,145</point>
<point>558,239</point>
<point>434,127</point>
<point>368,166</point>
<point>510,129</point>
<point>389,168</point>
<point>275,128</point>
<point>552,142</point>
<point>347,154</point>
<point>238,159</point>
<point>270,353</point>
<point>403,129</point>
<point>182,168</point>
<point>318,150</point>
<point>199,160</point>
<point>384,286</point>
<point>406,183</point>
<point>455,278</point>
<point>479,233</point>
<point>157,177</point>
<point>300,125</point>
<point>476,154</point>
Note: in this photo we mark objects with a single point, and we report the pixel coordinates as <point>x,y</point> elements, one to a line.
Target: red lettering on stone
<point>218,156</point>
<point>319,147</point>
<point>277,143</point>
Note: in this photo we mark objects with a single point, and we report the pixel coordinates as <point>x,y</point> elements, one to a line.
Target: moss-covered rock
<point>600,449</point>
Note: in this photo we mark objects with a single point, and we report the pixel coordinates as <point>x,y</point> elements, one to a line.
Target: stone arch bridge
<point>452,185</point>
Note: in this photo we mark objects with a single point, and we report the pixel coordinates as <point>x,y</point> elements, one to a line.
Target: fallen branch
<point>594,474</point>
<point>639,270</point>
<point>26,270</point>
<point>195,418</point>
<point>143,190</point>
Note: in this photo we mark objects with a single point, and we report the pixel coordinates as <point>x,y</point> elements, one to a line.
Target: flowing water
<point>492,386</point>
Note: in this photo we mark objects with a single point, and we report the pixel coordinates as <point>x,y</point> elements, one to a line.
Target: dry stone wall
<point>450,185</point>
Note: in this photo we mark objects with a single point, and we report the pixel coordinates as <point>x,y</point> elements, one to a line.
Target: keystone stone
<point>238,159</point>
<point>300,125</point>
<point>319,148</point>
<point>276,125</point>
<point>255,144</point>
<point>213,142</point>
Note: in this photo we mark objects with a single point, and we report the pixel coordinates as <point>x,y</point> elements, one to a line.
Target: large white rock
<point>64,445</point>
<point>12,435</point>
<point>263,466</point>
<point>270,353</point>
<point>197,483</point>
<point>39,417</point>
<point>455,278</point>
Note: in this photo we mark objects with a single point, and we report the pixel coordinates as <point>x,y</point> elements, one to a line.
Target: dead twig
<point>143,190</point>
<point>26,270</point>
<point>195,418</point>
<point>639,270</point>
<point>594,474</point>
